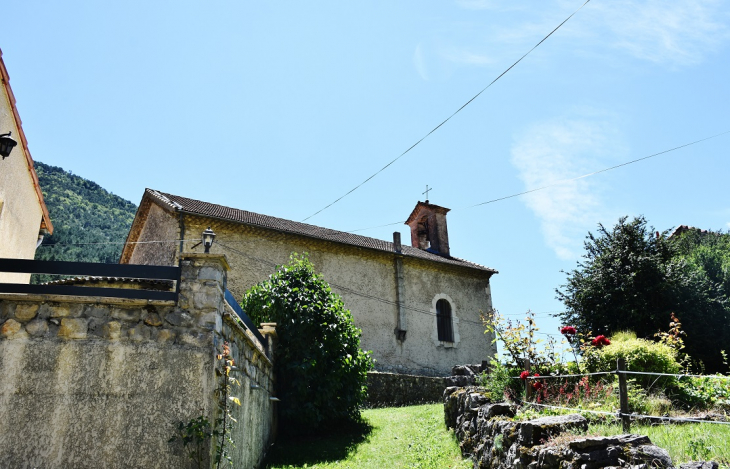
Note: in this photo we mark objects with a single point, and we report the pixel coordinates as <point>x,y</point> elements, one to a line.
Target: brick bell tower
<point>428,228</point>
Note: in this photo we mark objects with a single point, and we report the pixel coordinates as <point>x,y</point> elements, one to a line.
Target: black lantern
<point>208,237</point>
<point>7,143</point>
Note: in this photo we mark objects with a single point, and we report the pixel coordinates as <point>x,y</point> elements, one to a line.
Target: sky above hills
<point>282,108</point>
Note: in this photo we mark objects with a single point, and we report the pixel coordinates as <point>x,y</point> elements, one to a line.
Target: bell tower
<point>428,228</point>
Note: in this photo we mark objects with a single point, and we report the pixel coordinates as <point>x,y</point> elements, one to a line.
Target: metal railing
<point>247,322</point>
<point>92,270</point>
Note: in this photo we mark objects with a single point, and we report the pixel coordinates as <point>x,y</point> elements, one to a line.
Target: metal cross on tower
<point>427,191</point>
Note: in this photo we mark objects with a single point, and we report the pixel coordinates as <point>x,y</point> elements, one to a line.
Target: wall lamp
<point>7,143</point>
<point>208,237</point>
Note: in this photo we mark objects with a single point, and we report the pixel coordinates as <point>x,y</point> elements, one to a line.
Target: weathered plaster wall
<point>253,253</point>
<point>20,209</point>
<point>158,226</point>
<point>102,383</point>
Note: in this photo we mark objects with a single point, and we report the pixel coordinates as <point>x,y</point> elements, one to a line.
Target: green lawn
<point>686,442</point>
<point>395,437</point>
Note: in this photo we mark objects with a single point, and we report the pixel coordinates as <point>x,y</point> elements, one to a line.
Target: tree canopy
<point>633,277</point>
<point>90,223</point>
<point>321,371</point>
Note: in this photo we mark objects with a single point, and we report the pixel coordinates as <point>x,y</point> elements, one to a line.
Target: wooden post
<point>528,382</point>
<point>623,395</point>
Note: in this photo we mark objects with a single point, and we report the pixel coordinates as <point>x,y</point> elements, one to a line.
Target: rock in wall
<point>489,436</point>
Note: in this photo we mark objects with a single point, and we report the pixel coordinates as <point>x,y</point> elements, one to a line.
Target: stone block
<point>207,299</point>
<point>180,319</point>
<point>132,315</point>
<point>37,328</point>
<point>73,328</point>
<point>152,319</point>
<point>112,330</point>
<point>12,329</point>
<point>211,321</point>
<point>59,311</point>
<point>26,312</point>
<point>97,312</point>
<point>165,336</point>
<point>210,273</point>
<point>139,333</point>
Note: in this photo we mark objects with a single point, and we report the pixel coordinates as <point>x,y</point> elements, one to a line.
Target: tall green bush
<point>320,370</point>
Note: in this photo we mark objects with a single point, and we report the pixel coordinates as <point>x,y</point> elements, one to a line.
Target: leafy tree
<point>633,277</point>
<point>320,370</point>
<point>90,223</point>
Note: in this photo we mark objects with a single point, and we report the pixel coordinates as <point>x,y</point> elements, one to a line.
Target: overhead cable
<point>563,181</point>
<point>448,118</point>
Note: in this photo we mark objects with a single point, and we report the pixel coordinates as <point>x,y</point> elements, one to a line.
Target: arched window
<point>443,321</point>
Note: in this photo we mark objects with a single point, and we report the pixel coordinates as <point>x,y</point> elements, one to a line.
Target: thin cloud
<point>558,150</point>
<point>680,32</point>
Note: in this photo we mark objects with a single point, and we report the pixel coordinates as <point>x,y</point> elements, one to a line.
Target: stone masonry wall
<point>487,434</point>
<point>391,389</point>
<point>99,382</point>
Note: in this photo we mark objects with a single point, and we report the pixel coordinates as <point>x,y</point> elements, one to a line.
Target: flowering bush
<point>600,341</point>
<point>568,330</point>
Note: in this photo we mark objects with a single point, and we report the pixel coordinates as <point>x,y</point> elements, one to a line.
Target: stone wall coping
<point>230,317</point>
<point>42,298</point>
<point>221,258</point>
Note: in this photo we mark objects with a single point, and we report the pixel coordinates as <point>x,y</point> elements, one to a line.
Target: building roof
<point>206,209</point>
<point>46,220</point>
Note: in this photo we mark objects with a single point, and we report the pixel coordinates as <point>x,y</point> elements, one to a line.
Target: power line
<point>603,170</point>
<point>563,181</point>
<point>448,118</point>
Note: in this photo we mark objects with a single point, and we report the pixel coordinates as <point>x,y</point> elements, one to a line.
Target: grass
<point>685,443</point>
<point>394,437</point>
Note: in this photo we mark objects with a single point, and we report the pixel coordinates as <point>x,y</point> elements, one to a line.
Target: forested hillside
<point>85,217</point>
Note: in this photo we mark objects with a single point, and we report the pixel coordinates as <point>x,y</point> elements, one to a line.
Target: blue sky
<point>280,108</point>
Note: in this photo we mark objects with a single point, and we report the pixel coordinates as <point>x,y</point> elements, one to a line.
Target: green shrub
<point>320,370</point>
<point>704,393</point>
<point>499,381</point>
<point>640,355</point>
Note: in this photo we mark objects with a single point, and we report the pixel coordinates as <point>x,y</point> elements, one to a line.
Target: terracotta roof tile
<point>206,209</point>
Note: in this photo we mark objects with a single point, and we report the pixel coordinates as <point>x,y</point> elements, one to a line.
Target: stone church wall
<point>99,382</point>
<point>369,282</point>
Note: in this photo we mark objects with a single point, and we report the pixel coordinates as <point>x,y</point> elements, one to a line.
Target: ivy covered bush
<point>321,371</point>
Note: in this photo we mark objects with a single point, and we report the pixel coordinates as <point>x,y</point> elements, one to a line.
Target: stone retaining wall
<point>390,389</point>
<point>100,382</point>
<point>491,439</point>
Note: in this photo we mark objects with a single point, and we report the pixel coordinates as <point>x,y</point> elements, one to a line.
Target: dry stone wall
<point>99,382</point>
<point>488,435</point>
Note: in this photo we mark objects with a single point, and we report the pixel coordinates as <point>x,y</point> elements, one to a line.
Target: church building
<point>418,307</point>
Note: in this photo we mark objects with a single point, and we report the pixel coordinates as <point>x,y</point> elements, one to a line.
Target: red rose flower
<point>600,341</point>
<point>537,385</point>
<point>568,330</point>
<point>524,375</point>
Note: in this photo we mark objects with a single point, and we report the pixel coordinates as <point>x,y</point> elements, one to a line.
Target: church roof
<point>206,209</point>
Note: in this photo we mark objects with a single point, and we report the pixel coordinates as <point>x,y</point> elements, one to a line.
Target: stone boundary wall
<point>488,436</point>
<point>390,389</point>
<point>101,382</point>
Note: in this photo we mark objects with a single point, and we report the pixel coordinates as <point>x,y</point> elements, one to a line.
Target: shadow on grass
<point>335,444</point>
